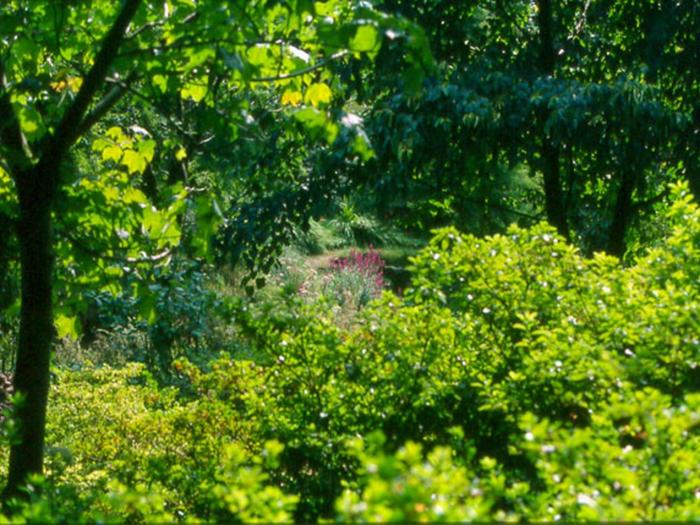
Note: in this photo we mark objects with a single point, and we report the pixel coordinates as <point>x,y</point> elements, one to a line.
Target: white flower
<point>585,499</point>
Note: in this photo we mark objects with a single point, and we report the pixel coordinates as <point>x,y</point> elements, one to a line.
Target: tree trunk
<point>554,196</point>
<point>623,207</point>
<point>549,153</point>
<point>31,377</point>
<point>544,22</point>
<point>693,162</point>
<point>36,188</point>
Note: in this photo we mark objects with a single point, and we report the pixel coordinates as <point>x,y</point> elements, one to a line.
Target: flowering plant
<point>355,279</point>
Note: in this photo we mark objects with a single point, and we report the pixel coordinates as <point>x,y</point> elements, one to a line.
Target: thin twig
<point>101,254</point>
<point>304,71</point>
<point>105,105</point>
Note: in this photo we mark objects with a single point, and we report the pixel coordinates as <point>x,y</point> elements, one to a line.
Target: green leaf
<point>260,56</point>
<point>147,149</point>
<point>66,326</point>
<point>194,91</point>
<point>198,57</point>
<point>311,118</point>
<point>134,161</point>
<point>317,123</point>
<point>366,39</point>
<point>115,133</point>
<point>209,218</point>
<point>147,305</point>
<point>362,146</point>
<point>134,195</point>
<point>111,194</point>
<point>318,95</point>
<point>31,123</point>
<point>113,152</point>
<point>161,82</point>
<point>100,144</point>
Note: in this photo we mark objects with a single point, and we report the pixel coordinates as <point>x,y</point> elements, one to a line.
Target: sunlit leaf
<point>194,91</point>
<point>291,97</point>
<point>134,161</point>
<point>66,326</point>
<point>31,122</point>
<point>113,153</point>
<point>318,95</point>
<point>366,39</point>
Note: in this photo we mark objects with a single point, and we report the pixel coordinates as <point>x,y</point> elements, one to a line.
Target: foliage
<point>145,454</point>
<point>350,228</point>
<point>634,462</point>
<point>580,111</point>
<point>183,318</point>
<point>176,314</point>
<point>496,338</point>
<point>65,66</point>
<point>357,228</point>
<point>411,486</point>
<point>514,380</point>
<point>124,202</point>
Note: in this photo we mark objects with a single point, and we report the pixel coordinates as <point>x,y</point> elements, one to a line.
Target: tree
<point>65,65</point>
<point>592,102</point>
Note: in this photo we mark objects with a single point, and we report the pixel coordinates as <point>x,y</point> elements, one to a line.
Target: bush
<point>515,379</point>
<point>636,461</point>
<point>492,329</point>
<point>156,319</point>
<point>119,445</point>
<point>411,486</point>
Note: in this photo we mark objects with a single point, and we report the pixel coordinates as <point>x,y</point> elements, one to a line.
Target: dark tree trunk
<point>693,162</point>
<point>549,153</point>
<point>36,325</point>
<point>693,178</point>
<point>621,214</point>
<point>554,196</point>
<point>544,21</point>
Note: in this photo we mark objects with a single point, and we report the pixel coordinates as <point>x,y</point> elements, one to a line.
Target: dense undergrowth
<point>514,379</point>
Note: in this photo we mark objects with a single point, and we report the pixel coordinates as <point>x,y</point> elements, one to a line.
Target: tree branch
<point>113,96</point>
<point>11,137</point>
<point>187,44</point>
<point>581,23</point>
<point>145,27</point>
<point>67,131</point>
<point>102,254</point>
<point>304,71</point>
<point>639,206</point>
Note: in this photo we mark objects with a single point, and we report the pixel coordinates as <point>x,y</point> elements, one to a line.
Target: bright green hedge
<point>515,379</point>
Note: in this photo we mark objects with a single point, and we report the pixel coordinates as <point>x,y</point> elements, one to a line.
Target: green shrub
<point>637,461</point>
<point>116,433</point>
<point>174,314</point>
<point>355,228</point>
<point>411,486</point>
<point>515,379</point>
<point>491,329</point>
